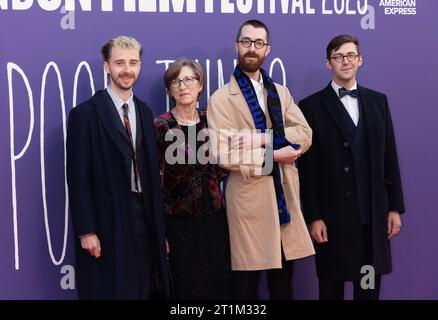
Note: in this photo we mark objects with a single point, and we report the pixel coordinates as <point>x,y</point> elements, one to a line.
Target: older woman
<point>196,224</point>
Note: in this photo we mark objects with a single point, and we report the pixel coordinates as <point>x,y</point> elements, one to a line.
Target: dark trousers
<point>331,290</point>
<point>143,242</point>
<point>246,284</point>
<point>334,290</point>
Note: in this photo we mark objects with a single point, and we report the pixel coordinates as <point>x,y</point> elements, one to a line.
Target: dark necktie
<point>129,133</point>
<point>352,93</point>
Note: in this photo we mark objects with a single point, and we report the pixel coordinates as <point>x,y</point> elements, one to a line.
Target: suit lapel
<point>240,103</point>
<point>370,116</point>
<point>144,133</point>
<point>110,120</point>
<point>332,103</point>
<point>139,134</point>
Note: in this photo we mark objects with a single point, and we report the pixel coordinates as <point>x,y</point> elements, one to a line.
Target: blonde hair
<point>124,42</point>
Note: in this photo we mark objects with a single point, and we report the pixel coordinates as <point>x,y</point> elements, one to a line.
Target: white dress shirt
<point>350,104</point>
<point>259,88</point>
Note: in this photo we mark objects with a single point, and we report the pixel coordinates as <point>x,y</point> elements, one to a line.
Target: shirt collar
<point>336,87</point>
<point>257,84</point>
<point>117,100</point>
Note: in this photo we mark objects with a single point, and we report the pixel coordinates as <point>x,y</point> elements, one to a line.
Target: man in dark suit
<point>114,187</point>
<point>350,179</point>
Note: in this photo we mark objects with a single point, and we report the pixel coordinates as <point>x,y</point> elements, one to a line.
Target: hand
<point>248,141</point>
<point>318,231</point>
<point>91,243</point>
<point>287,155</point>
<point>167,248</point>
<point>394,224</point>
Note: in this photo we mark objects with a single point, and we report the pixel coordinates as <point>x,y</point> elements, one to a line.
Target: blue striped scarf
<point>279,139</point>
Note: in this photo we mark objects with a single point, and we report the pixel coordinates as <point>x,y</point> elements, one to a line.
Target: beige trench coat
<point>255,232</point>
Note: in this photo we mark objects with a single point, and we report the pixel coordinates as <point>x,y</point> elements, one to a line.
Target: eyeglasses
<point>188,81</point>
<point>258,44</point>
<point>340,57</point>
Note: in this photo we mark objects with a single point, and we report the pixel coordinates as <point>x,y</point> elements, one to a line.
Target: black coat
<point>99,180</point>
<point>328,186</point>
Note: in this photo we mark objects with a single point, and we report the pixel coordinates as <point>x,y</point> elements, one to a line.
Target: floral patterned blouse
<point>190,187</point>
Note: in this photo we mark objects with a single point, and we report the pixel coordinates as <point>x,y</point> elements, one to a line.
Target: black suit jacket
<point>99,181</point>
<point>328,187</point>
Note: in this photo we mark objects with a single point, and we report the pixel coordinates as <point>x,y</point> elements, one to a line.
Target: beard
<point>253,65</point>
<point>118,81</point>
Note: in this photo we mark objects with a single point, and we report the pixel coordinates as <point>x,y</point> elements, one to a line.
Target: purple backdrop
<point>399,52</point>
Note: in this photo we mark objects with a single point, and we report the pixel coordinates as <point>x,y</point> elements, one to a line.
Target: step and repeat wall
<point>50,61</point>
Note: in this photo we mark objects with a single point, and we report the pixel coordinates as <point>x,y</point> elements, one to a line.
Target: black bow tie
<point>352,93</point>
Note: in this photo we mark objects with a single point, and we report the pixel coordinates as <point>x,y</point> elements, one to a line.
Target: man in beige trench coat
<point>267,229</point>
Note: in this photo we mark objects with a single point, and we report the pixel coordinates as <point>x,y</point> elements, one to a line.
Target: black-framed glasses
<point>258,44</point>
<point>351,56</point>
<point>188,81</point>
